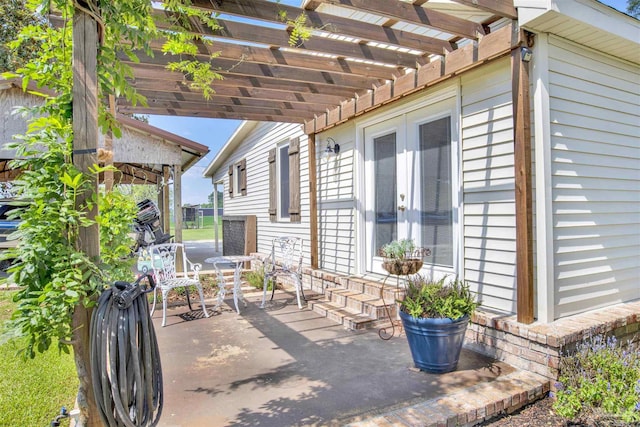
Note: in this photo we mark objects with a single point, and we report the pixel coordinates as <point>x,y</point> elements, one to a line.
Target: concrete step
<point>350,319</point>
<point>467,407</point>
<point>368,305</point>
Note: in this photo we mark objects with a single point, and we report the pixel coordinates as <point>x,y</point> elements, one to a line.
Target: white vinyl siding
<point>489,186</point>
<point>336,206</point>
<point>255,149</point>
<point>595,165</point>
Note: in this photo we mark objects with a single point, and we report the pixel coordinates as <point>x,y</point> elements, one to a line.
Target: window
<point>238,179</point>
<point>282,163</point>
<point>284,182</point>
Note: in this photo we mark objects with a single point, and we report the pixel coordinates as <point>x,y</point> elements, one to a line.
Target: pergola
<point>362,54</point>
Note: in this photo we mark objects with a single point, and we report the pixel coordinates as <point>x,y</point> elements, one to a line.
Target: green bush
<point>255,278</point>
<point>428,298</point>
<point>602,380</point>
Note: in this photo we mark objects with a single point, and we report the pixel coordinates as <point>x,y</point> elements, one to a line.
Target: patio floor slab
<point>287,367</point>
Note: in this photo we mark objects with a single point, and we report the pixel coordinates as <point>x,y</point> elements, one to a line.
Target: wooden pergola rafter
<point>362,54</point>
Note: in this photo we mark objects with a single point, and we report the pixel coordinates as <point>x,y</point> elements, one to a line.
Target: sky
<point>214,133</point>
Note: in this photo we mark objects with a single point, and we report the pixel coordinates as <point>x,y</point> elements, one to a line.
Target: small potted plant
<point>402,257</point>
<point>435,315</point>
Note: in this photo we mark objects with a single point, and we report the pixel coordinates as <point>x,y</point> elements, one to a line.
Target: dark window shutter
<point>273,197</point>
<point>231,181</point>
<point>294,180</point>
<point>243,177</point>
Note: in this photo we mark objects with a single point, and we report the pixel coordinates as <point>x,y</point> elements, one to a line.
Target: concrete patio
<point>287,367</point>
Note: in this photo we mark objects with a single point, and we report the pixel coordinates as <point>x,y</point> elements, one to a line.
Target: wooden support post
<point>177,203</point>
<point>85,144</point>
<point>313,201</point>
<point>522,160</point>
<point>166,211</point>
<point>216,218</point>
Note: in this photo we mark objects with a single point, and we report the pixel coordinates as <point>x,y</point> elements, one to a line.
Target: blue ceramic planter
<point>435,343</point>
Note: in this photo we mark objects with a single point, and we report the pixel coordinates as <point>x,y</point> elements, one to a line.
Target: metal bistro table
<point>229,260</point>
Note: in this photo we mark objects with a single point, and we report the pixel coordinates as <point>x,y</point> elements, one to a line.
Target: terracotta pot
<point>402,267</point>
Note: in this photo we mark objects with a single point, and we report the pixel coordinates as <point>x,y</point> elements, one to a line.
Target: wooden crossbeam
<point>159,73</point>
<point>288,58</point>
<point>502,8</point>
<point>280,38</point>
<point>179,88</point>
<point>243,68</point>
<point>414,14</point>
<point>232,115</point>
<point>270,11</point>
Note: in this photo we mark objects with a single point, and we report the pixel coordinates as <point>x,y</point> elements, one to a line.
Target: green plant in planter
<point>435,315</point>
<point>428,298</point>
<point>402,257</point>
<point>398,249</point>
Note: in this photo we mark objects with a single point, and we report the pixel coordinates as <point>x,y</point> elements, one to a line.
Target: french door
<point>409,176</point>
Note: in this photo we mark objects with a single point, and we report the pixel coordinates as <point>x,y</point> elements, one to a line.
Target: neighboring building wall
<point>489,185</point>
<point>137,147</point>
<point>255,149</point>
<point>336,206</point>
<point>595,166</point>
<point>11,123</point>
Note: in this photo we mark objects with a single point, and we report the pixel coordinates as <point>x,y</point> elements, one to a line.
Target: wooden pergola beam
<point>288,58</point>
<point>191,100</point>
<point>162,76</point>
<point>502,8</point>
<point>287,115</point>
<point>270,12</point>
<point>244,68</point>
<point>414,14</point>
<point>232,115</point>
<point>280,37</point>
<point>179,88</point>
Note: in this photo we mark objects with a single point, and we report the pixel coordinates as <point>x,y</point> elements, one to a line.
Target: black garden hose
<point>126,369</point>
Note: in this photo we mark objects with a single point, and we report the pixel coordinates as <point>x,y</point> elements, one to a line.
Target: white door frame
<point>450,96</point>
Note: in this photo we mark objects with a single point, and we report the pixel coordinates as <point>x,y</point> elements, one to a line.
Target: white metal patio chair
<point>285,260</point>
<point>164,259</point>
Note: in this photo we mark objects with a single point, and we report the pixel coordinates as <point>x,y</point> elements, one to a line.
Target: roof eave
<point>232,143</point>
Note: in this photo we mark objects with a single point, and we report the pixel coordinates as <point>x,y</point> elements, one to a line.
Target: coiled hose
<point>126,369</point>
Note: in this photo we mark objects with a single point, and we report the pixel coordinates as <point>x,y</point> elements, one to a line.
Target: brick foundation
<point>536,348</point>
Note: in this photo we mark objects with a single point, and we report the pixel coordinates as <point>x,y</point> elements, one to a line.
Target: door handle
<point>401,208</point>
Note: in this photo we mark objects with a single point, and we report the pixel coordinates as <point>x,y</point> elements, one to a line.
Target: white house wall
<point>255,149</point>
<point>595,165</point>
<point>489,185</point>
<point>336,206</point>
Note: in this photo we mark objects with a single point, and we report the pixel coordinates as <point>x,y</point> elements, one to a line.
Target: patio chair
<point>285,260</point>
<point>164,259</point>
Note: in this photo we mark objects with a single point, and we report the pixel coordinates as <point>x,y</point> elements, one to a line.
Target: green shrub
<point>255,278</point>
<point>428,298</point>
<point>603,378</point>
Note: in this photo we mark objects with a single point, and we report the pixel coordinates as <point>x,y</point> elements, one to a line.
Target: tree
<point>15,16</point>
<point>633,8</point>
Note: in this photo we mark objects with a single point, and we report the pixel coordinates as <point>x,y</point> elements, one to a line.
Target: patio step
<point>467,407</point>
<point>349,318</point>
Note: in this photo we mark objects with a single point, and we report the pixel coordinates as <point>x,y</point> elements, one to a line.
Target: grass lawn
<point>32,391</point>
<point>205,232</point>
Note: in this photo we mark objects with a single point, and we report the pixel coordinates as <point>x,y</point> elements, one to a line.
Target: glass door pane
<point>436,222</point>
<point>385,187</point>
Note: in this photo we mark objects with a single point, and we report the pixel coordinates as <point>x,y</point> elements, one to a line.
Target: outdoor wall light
<point>527,54</point>
<point>333,148</point>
